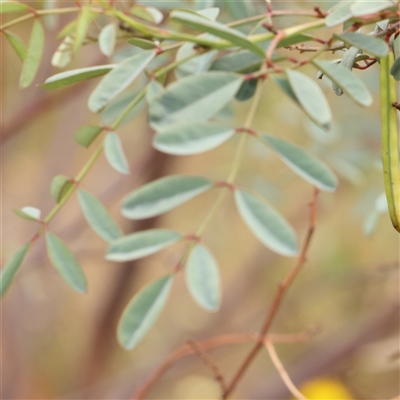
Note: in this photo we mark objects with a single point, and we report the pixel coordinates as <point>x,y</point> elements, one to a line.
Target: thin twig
<point>277,301</point>
<point>209,344</point>
<point>282,372</point>
<point>209,363</point>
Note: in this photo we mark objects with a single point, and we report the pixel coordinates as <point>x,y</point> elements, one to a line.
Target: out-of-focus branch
<point>209,344</point>
<point>218,376</point>
<point>332,353</point>
<point>277,301</point>
<point>282,372</point>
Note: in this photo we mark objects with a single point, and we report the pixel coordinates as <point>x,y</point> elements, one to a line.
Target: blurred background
<point>57,344</point>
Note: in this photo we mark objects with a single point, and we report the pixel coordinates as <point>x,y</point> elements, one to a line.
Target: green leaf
<point>119,79</point>
<point>210,12</point>
<point>67,30</point>
<point>98,217</point>
<point>63,55</point>
<point>303,164</point>
<point>367,43</point>
<point>284,84</point>
<point>194,98</point>
<point>116,107</point>
<point>82,25</point>
<point>154,89</point>
<point>17,44</point>
<point>115,154</point>
<point>241,8</point>
<point>339,14</point>
<point>195,65</point>
<point>141,244</point>
<point>60,185</point>
<point>142,43</point>
<point>28,213</point>
<point>191,138</point>
<point>267,224</point>
<point>350,83</point>
<point>11,268</point>
<point>65,263</point>
<point>12,6</point>
<point>142,312</point>
<point>395,69</point>
<point>310,97</point>
<point>87,134</point>
<point>203,24</point>
<point>33,55</point>
<point>163,195</point>
<point>201,4</point>
<point>362,7</point>
<point>243,61</point>
<point>203,279</point>
<point>247,90</point>
<point>150,14</point>
<point>76,75</point>
<point>107,39</point>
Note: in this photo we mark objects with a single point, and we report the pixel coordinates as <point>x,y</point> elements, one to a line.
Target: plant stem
<point>86,168</point>
<point>23,18</point>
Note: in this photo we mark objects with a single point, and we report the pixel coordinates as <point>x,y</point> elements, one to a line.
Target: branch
<point>209,344</point>
<point>282,372</point>
<point>282,289</point>
<point>209,363</point>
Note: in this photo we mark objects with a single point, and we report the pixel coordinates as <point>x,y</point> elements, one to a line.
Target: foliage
<point>217,59</point>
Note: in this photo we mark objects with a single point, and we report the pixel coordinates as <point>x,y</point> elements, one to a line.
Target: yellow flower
<point>325,389</point>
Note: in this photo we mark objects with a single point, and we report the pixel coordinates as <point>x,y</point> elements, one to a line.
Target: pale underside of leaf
<point>267,224</point>
<point>194,98</point>
<point>202,278</point>
<point>142,312</point>
<point>191,138</point>
<point>141,244</point>
<point>163,195</point>
<point>302,163</point>
<point>98,217</point>
<point>65,263</point>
